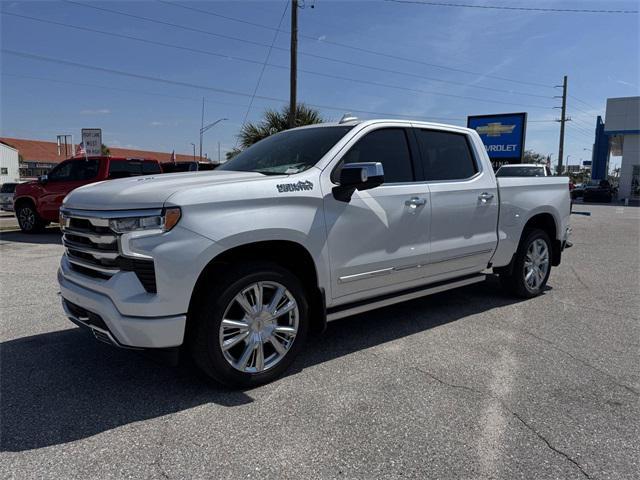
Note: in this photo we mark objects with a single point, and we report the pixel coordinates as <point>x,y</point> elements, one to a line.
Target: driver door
<point>378,241</point>
<point>67,176</point>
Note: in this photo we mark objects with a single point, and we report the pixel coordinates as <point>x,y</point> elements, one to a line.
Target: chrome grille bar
<point>92,266</point>
<point>94,237</point>
<point>96,253</point>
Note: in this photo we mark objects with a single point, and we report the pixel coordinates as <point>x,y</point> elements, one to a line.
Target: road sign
<point>502,134</point>
<point>92,141</point>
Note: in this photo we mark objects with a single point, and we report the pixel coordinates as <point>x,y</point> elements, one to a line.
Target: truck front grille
<point>92,249</point>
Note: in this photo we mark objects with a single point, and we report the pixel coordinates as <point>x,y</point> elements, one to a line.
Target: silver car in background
<point>7,191</point>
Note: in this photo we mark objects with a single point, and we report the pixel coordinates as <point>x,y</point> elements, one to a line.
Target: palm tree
<point>274,122</point>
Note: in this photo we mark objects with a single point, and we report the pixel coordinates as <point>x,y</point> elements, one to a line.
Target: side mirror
<point>358,176</point>
<point>43,178</point>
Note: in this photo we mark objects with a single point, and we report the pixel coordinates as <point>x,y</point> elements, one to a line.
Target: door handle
<point>415,202</point>
<point>485,197</point>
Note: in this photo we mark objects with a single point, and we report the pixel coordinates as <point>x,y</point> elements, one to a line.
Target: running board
<point>399,297</point>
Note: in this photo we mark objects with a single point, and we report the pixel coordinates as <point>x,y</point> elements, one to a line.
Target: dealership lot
<point>464,384</point>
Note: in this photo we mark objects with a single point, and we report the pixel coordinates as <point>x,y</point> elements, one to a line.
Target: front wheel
<point>252,326</point>
<point>28,219</point>
<point>531,265</point>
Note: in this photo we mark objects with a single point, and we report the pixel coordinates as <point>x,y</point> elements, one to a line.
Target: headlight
<point>163,222</point>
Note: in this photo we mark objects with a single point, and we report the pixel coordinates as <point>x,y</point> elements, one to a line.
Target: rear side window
<point>149,168</point>
<point>8,188</point>
<point>445,155</point>
<point>131,168</point>
<point>520,171</point>
<point>388,146</point>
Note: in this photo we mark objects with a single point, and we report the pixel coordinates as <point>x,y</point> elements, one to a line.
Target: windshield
<point>520,172</point>
<point>287,152</point>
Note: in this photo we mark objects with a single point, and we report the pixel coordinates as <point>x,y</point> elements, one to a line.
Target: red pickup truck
<point>37,203</point>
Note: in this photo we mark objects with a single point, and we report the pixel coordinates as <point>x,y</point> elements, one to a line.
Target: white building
<point>622,126</point>
<point>9,168</point>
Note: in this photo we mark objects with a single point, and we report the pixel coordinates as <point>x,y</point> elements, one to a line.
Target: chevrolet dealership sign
<point>503,136</point>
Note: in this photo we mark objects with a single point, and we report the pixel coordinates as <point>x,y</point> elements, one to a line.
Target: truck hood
<point>148,191</point>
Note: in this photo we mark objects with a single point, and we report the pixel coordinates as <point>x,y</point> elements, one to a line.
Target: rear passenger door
<point>464,203</point>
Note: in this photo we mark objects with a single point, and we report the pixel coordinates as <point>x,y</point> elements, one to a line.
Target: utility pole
<point>293,79</point>
<point>563,119</point>
<point>218,153</point>
<point>201,128</point>
<point>194,150</point>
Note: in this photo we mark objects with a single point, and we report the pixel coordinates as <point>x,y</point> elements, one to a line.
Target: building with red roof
<point>37,157</point>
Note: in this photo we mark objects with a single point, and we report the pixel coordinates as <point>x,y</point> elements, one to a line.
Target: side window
<point>119,169</point>
<point>84,169</point>
<point>130,168</point>
<point>61,173</point>
<point>388,146</point>
<point>152,167</point>
<point>445,155</point>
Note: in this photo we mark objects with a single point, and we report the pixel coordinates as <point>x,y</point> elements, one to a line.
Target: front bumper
<point>82,306</point>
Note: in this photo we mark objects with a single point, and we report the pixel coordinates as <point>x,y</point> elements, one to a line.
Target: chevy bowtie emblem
<point>495,129</point>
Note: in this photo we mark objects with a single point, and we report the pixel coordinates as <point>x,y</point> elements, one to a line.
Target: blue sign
<point>503,135</point>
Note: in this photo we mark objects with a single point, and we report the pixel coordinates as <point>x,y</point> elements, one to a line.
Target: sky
<point>156,60</point>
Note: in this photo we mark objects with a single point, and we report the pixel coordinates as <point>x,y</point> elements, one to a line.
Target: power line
<point>581,122</point>
<point>322,57</point>
<point>503,7</point>
<point>578,131</point>
<point>584,103</point>
<point>205,87</point>
<point>262,64</point>
<point>582,130</point>
<point>365,50</point>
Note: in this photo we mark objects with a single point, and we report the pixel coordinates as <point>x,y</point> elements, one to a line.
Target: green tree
<point>534,157</point>
<point>105,150</point>
<point>273,122</point>
<point>232,153</point>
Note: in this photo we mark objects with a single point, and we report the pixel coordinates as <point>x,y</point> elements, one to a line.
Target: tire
<point>520,281</point>
<point>259,353</point>
<point>28,219</point>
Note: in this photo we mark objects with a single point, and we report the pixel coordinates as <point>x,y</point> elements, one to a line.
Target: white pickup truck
<point>238,265</point>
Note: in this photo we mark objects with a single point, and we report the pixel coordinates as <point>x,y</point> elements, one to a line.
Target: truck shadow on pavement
<point>51,235</point>
<point>63,386</point>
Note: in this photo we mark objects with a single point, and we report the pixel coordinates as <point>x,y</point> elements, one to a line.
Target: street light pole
<point>205,128</point>
<point>201,127</point>
<point>194,150</point>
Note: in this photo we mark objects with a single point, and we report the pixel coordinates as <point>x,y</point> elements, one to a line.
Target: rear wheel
<point>531,265</point>
<point>251,327</point>
<point>28,219</point>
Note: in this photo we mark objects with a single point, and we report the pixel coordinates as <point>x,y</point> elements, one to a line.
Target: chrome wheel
<point>259,327</point>
<point>536,264</point>
<point>26,218</point>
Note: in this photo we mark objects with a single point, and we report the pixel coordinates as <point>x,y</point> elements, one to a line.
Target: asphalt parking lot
<point>462,385</point>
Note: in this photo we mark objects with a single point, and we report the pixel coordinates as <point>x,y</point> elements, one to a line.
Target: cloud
<point>99,111</point>
<point>322,37</point>
<point>622,82</point>
<point>156,124</point>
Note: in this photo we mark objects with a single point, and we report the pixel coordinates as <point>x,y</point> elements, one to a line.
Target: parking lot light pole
<point>194,150</point>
